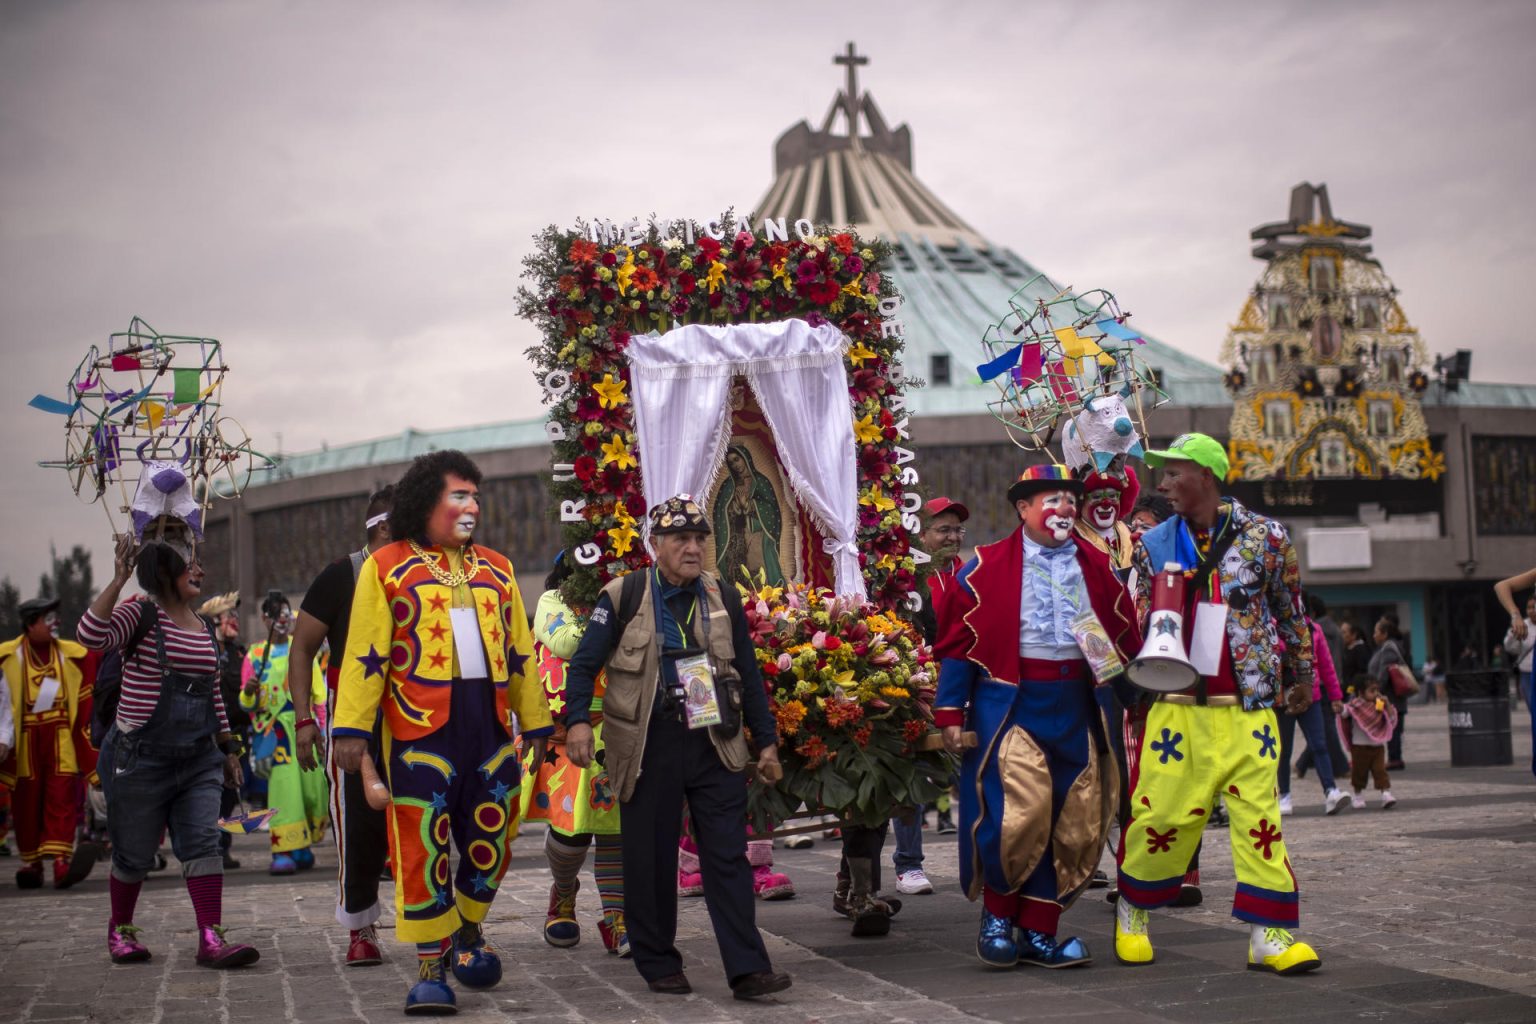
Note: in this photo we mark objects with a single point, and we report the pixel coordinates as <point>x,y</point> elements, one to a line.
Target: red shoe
<point>615,935</point>
<point>769,884</point>
<point>561,928</point>
<point>61,873</point>
<point>689,883</point>
<point>363,948</point>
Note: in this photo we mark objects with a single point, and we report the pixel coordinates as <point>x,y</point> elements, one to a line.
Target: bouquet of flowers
<point>851,688</point>
<point>587,297</point>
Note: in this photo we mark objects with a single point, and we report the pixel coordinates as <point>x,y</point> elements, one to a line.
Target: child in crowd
<point>1366,723</point>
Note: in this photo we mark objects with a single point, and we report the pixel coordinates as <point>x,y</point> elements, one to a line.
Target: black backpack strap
<point>630,593</point>
<point>148,619</point>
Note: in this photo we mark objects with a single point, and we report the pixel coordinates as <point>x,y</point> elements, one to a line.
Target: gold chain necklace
<point>443,576</point>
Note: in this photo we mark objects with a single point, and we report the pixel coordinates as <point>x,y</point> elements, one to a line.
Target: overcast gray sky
<point>343,191</point>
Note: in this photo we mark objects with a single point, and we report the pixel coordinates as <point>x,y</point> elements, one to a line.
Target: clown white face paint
<point>457,513</point>
<point>1048,517</point>
<point>1102,509</point>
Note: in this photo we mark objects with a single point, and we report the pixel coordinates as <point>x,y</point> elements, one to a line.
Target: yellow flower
<point>622,539</point>
<point>715,276</point>
<point>617,452</point>
<point>867,430</point>
<point>876,500</point>
<point>859,353</point>
<point>610,392</point>
<point>894,691</point>
<point>625,272</point>
<point>852,287</point>
<point>621,514</point>
<point>841,678</point>
<point>1432,465</point>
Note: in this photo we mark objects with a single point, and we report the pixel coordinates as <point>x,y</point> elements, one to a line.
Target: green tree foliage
<point>10,610</point>
<point>71,582</point>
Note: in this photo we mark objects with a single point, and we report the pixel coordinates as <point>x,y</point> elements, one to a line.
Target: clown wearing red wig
<point>1108,497</point>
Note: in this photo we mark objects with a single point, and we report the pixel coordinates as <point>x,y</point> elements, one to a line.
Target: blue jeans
<point>1311,722</point>
<point>909,841</point>
<point>150,787</point>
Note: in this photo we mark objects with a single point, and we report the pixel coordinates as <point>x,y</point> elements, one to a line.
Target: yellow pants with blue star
<point>1190,756</point>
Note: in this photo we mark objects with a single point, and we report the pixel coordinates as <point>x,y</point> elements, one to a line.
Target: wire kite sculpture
<point>1068,363</point>
<point>144,433</point>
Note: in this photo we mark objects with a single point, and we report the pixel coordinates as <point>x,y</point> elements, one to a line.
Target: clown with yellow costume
<point>439,641</point>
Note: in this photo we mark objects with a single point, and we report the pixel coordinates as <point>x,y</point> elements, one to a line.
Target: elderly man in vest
<point>50,683</point>
<point>682,674</point>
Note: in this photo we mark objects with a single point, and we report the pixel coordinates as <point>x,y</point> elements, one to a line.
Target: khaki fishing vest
<point>633,670</point>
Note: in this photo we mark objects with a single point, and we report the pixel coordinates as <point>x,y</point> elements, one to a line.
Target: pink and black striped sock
<point>207,892</point>
<point>125,896</point>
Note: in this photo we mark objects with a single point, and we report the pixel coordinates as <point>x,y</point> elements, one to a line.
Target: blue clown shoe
<point>282,864</point>
<point>304,859</point>
<point>994,944</point>
<point>431,996</point>
<point>475,964</point>
<point>1041,950</point>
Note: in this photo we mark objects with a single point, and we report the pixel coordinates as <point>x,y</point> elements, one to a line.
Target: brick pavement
<point>1421,914</point>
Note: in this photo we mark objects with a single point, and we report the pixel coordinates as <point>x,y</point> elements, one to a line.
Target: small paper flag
<point>47,404</point>
<point>187,389</point>
<point>245,824</point>
<point>1115,329</point>
<point>154,412</point>
<point>1031,363</point>
<point>126,363</point>
<point>1061,386</point>
<point>1002,364</point>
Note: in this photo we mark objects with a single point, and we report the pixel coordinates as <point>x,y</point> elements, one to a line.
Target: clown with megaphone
<point>1218,591</point>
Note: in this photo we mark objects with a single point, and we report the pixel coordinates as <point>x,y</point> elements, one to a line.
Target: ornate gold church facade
<point>1324,367</point>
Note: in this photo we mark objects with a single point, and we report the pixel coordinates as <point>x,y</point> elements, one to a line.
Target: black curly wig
<point>418,491</point>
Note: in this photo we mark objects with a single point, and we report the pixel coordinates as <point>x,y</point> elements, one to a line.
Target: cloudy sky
<point>343,191</point>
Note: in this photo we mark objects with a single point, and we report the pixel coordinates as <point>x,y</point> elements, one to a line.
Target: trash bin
<point>1478,703</point>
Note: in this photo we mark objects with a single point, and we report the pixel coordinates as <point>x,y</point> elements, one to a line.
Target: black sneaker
<point>946,824</point>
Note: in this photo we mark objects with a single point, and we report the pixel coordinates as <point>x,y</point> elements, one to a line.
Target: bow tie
<point>1067,550</point>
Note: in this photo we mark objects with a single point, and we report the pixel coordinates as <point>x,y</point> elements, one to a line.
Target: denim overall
<point>169,772</point>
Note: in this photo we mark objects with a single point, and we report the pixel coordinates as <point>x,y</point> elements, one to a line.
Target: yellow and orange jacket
<point>74,755</point>
<point>400,651</point>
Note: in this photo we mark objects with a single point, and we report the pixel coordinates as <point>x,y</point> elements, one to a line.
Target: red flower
<point>914,730</point>
<point>590,443</point>
<point>823,293</point>
<point>745,269</point>
<point>609,293</point>
<point>585,468</point>
<point>709,248</point>
<point>644,279</point>
<point>843,243</point>
<point>582,251</point>
<point>806,272</point>
<point>742,241</point>
<point>862,733</point>
<point>610,260</point>
<point>774,252</point>
<point>686,283</point>
<point>589,408</point>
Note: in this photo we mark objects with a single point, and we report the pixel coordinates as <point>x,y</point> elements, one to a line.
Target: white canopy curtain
<point>680,382</point>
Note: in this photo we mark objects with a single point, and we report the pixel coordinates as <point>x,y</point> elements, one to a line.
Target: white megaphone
<point>1163,666</point>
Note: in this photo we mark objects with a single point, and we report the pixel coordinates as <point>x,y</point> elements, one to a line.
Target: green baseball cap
<point>1201,449</point>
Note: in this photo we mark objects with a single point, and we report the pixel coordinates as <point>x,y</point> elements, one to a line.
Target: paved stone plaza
<point>1421,914</point>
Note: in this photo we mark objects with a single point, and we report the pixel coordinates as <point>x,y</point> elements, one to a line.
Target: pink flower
<point>785,662</point>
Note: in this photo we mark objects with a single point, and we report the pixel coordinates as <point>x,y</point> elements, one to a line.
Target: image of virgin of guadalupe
<point>748,521</point>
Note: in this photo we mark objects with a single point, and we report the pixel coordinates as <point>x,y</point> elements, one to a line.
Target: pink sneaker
<point>689,883</point>
<point>769,884</point>
<point>123,944</point>
<point>213,951</point>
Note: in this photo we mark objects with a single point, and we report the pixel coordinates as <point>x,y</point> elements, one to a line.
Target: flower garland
<point>851,688</point>
<point>587,298</point>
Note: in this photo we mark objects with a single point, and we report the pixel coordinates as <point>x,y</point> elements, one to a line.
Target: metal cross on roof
<point>851,60</point>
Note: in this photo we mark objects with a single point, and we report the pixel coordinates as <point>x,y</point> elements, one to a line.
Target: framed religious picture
<point>1333,457</point>
<point>752,513</point>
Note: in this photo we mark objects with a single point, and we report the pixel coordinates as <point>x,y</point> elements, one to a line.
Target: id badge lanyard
<point>695,686</point>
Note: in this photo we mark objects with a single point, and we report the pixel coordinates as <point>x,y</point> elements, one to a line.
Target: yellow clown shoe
<point>1133,947</point>
<point>1275,949</point>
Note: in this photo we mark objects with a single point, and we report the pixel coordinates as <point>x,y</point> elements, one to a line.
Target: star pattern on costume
<point>499,792</point>
<point>439,802</point>
<point>551,755</point>
<point>489,607</point>
<point>1267,741</point>
<point>373,662</point>
<point>1168,746</point>
<point>439,602</point>
<point>556,703</point>
<point>1160,842</point>
<point>482,883</point>
<point>438,631</point>
<point>499,663</point>
<point>442,898</point>
<point>496,635</point>
<point>465,959</point>
<point>1265,836</point>
<point>515,662</point>
<point>438,660</point>
<point>610,392</point>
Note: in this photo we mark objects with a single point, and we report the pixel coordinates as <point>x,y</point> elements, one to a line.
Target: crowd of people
<point>414,709</point>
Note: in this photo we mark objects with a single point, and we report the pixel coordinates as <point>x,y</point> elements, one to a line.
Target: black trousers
<point>681,763</point>
<point>860,841</point>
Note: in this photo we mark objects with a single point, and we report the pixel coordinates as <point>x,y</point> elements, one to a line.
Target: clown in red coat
<point>1039,789</point>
